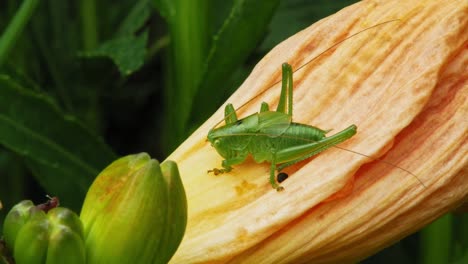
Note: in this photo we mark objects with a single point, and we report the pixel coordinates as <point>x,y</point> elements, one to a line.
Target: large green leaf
<point>12,181</point>
<point>241,32</point>
<point>64,155</point>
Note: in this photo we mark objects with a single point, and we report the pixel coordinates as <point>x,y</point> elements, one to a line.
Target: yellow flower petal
<point>404,84</point>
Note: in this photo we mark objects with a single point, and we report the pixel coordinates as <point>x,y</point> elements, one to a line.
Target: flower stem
<point>436,243</point>
<point>16,26</point>
<point>89,24</point>
<point>188,45</point>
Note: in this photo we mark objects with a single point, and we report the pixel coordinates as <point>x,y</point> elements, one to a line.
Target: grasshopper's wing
<point>273,124</point>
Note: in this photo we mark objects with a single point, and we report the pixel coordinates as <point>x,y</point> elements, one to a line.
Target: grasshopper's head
<point>233,137</point>
<point>217,138</point>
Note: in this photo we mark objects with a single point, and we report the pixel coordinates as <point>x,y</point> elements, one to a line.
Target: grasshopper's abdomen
<point>301,133</point>
<point>263,147</point>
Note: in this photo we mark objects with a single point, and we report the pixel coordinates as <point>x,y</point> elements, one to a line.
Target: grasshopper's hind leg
<point>308,150</point>
<point>285,104</point>
<point>273,182</point>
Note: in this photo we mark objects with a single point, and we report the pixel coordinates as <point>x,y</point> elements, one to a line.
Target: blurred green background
<point>83,82</point>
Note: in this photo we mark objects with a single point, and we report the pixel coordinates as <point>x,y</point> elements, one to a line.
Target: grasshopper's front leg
<point>227,164</point>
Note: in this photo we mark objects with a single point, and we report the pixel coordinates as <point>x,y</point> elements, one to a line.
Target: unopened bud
<point>134,212</point>
<point>44,234</point>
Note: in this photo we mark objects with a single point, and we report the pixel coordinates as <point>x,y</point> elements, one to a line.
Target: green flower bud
<point>15,219</point>
<point>39,237</point>
<point>66,237</point>
<point>134,212</point>
<point>32,240</point>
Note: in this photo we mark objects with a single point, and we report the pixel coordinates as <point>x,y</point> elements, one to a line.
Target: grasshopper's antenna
<point>315,58</point>
<point>385,162</point>
<point>341,41</point>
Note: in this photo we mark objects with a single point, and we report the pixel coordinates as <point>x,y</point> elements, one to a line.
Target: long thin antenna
<point>341,41</point>
<point>313,59</point>
<point>385,162</point>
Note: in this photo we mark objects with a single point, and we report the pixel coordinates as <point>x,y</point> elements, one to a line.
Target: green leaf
<point>12,179</point>
<point>240,34</point>
<point>126,49</point>
<point>135,19</point>
<point>127,52</point>
<point>64,155</point>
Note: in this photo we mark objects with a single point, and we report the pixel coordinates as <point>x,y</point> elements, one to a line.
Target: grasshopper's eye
<point>216,142</point>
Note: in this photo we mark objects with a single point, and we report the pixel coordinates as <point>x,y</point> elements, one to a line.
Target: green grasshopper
<point>271,135</point>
